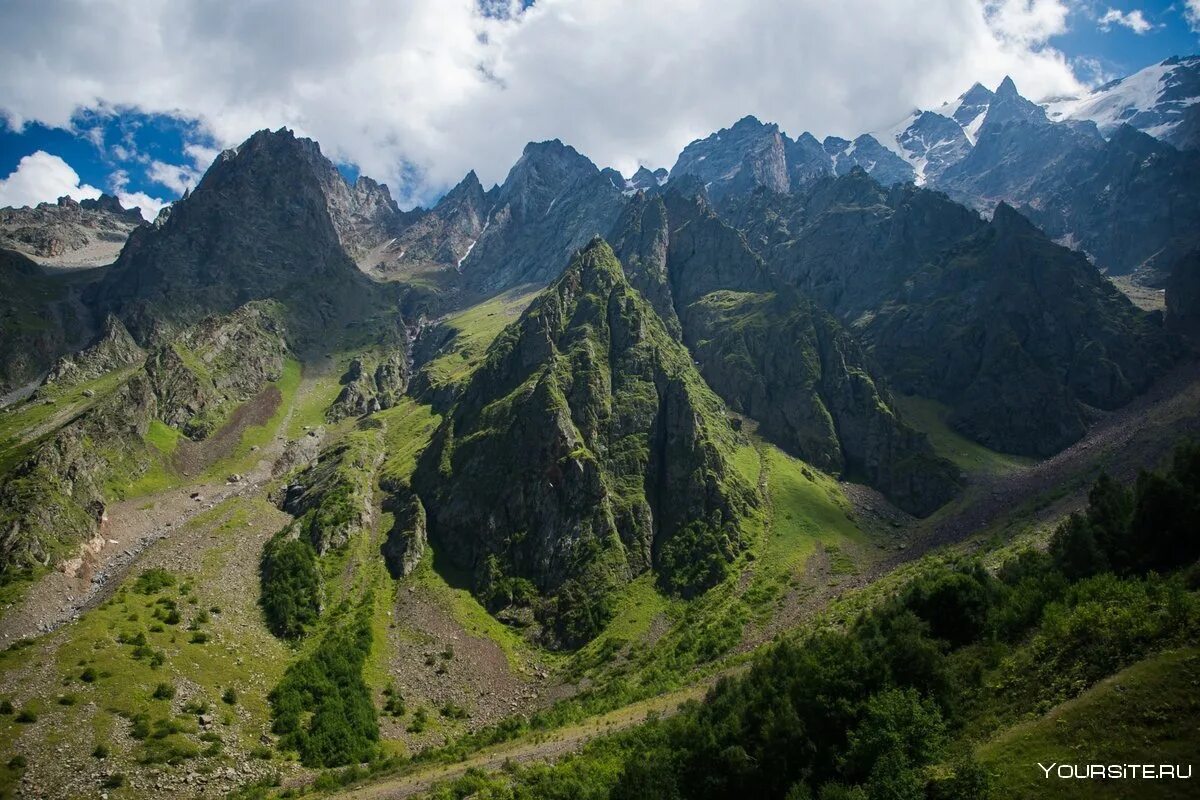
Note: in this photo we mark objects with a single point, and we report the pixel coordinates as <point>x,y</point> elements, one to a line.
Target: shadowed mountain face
<point>586,450</point>
<point>1012,330</point>
<point>772,354</point>
<point>553,201</point>
<point>261,224</point>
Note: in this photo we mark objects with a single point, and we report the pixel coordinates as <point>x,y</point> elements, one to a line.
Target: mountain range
<point>575,386</point>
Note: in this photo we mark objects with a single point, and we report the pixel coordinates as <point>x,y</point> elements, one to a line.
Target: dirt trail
<point>554,746</point>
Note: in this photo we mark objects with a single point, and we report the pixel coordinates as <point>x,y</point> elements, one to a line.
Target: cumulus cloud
<point>418,92</point>
<point>1133,20</point>
<point>43,177</point>
<point>1191,11</point>
<point>176,177</point>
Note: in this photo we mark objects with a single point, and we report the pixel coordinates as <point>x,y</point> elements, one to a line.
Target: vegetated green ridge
<point>584,451</point>
<point>918,697</point>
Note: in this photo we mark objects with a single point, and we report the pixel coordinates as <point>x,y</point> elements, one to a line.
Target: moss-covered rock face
<point>54,499</point>
<point>585,450</point>
<point>789,365</point>
<point>332,499</point>
<point>203,372</point>
<point>53,496</point>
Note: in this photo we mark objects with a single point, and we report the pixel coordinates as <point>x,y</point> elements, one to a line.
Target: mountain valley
<point>807,468</point>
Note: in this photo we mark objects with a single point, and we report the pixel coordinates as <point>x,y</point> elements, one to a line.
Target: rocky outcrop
<point>200,374</point>
<point>333,499</point>
<point>54,499</point>
<point>68,233</point>
<point>114,349</point>
<point>584,451</point>
<point>371,383</point>
<point>406,541</point>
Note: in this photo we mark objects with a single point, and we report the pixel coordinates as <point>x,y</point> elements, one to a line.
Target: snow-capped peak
<point>1152,100</point>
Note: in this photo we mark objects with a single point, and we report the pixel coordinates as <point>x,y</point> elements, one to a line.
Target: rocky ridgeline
<point>1017,334</point>
<point>54,497</point>
<point>771,353</point>
<point>371,383</point>
<point>88,233</point>
<point>585,450</point>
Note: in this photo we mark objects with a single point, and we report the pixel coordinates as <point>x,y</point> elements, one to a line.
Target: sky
<point>137,97</point>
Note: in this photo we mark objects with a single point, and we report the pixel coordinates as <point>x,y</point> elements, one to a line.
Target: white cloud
<point>1191,11</point>
<point>149,206</point>
<point>432,88</point>
<point>175,177</point>
<point>42,177</point>
<point>1133,20</point>
<point>1030,22</point>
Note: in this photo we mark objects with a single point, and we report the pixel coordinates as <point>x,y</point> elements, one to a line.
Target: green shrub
<point>27,716</point>
<point>163,691</point>
<point>230,696</point>
<point>322,707</point>
<point>152,581</point>
<point>291,585</point>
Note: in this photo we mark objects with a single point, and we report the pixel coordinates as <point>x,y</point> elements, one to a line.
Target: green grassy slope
<point>1146,714</point>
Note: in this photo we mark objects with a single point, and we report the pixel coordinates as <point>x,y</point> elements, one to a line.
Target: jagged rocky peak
<point>737,159</point>
<point>553,202</point>
<point>645,179</point>
<point>585,450</point>
<point>267,220</point>
<point>544,170</point>
<point>1009,106</point>
<point>973,104</point>
<point>467,193</point>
